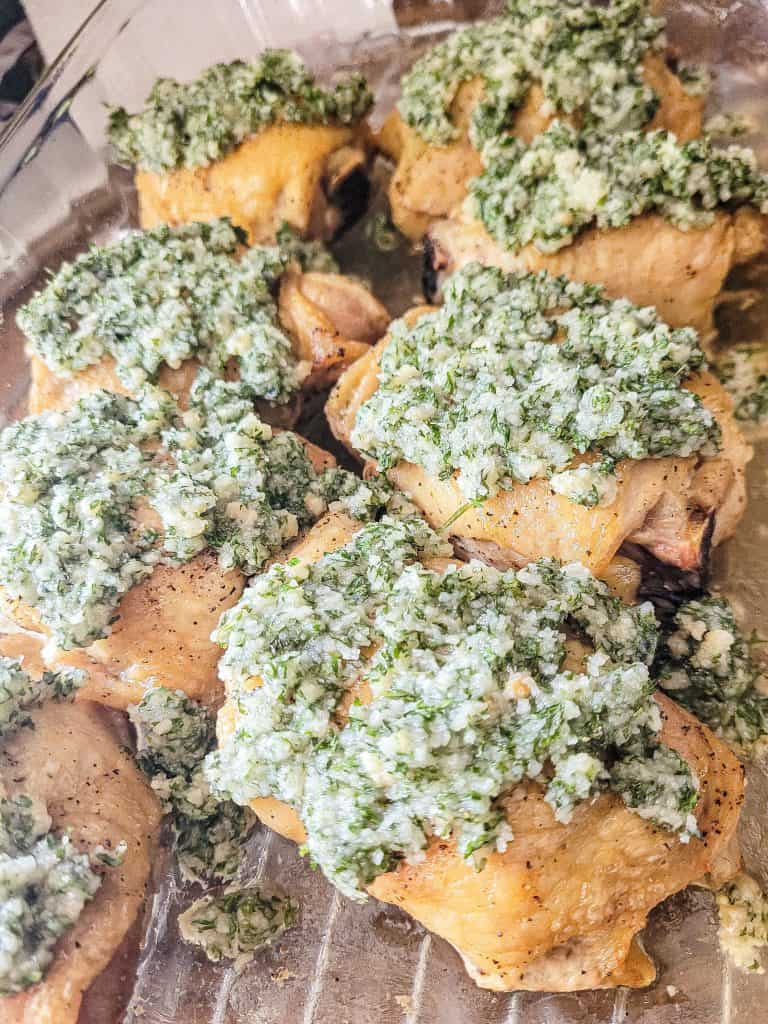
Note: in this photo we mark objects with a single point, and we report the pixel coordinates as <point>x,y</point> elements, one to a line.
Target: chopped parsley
<point>565,180</point>
<point>587,59</point>
<point>470,697</point>
<point>160,297</point>
<point>696,79</point>
<point>236,924</point>
<point>174,735</point>
<point>74,487</point>
<point>192,124</point>
<point>708,666</point>
<point>517,374</point>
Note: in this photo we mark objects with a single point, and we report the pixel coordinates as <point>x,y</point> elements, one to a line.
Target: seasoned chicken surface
<point>73,760</point>
<point>161,636</point>
<point>312,177</point>
<point>162,629</point>
<point>560,909</point>
<point>676,508</point>
<point>330,319</point>
<point>649,261</point>
<point>429,181</point>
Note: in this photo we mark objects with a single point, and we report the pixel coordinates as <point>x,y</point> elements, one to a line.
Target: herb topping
<point>470,697</point>
<point>518,374</point>
<point>708,666</point>
<point>192,124</point>
<point>587,59</point>
<point>92,499</point>
<point>174,735</point>
<point>238,923</point>
<point>164,296</point>
<point>565,180</point>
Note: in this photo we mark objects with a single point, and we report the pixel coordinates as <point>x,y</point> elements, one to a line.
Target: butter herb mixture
<point>517,374</point>
<point>174,735</point>
<point>20,693</point>
<point>236,924</point>
<point>709,667</point>
<point>470,695</point>
<point>157,298</point>
<point>44,884</point>
<point>743,369</point>
<point>191,124</point>
<point>565,180</point>
<point>92,499</point>
<point>70,542</point>
<point>587,59</point>
<point>45,881</point>
<point>743,910</point>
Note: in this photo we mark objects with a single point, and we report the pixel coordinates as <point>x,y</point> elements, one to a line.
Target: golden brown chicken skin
<point>162,630</point>
<point>561,908</point>
<point>430,181</point>
<point>312,177</point>
<point>75,762</point>
<point>676,509</point>
<point>330,319</point>
<point>649,261</point>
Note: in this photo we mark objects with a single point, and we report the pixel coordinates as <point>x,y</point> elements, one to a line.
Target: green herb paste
<point>470,697</point>
<point>235,925</point>
<point>743,369</point>
<point>743,910</point>
<point>709,667</point>
<point>20,693</point>
<point>160,297</point>
<point>75,488</point>
<point>192,124</point>
<point>45,882</point>
<point>587,59</point>
<point>174,735</point>
<point>566,180</point>
<point>517,374</point>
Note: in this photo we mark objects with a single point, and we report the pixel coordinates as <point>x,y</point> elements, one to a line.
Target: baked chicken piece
<point>74,762</point>
<point>650,261</point>
<point>160,634</point>
<point>157,305</point>
<point>559,139</point>
<point>260,143</point>
<point>557,904</point>
<point>130,526</point>
<point>430,181</point>
<point>483,391</point>
<point>596,66</point>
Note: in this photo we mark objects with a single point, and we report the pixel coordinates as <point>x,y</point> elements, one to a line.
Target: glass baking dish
<point>58,192</point>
